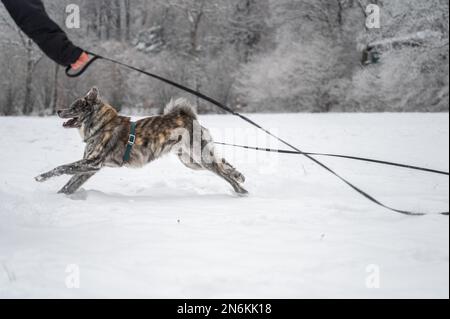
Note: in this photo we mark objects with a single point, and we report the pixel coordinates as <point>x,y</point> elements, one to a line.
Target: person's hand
<point>82,60</point>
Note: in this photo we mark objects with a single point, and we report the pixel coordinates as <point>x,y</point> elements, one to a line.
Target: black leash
<point>227,109</point>
<point>363,159</point>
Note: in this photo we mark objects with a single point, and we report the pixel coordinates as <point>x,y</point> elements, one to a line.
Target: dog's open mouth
<point>72,123</point>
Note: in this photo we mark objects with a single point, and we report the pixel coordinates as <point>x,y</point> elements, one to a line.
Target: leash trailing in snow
<point>248,120</point>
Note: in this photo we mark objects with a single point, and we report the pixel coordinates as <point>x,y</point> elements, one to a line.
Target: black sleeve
<point>33,20</point>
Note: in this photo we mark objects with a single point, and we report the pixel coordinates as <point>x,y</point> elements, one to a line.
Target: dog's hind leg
<point>224,170</point>
<point>205,158</point>
<point>220,170</point>
<point>209,155</point>
<point>232,172</point>
<point>187,161</point>
<point>75,183</point>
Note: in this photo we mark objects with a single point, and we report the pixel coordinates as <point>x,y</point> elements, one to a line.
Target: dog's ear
<point>93,95</point>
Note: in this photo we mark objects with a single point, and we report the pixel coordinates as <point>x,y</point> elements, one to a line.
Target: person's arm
<point>33,20</point>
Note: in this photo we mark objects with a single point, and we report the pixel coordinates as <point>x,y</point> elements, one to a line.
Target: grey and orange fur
<point>106,135</point>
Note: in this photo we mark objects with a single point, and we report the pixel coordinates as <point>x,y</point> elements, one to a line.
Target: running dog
<point>107,136</point>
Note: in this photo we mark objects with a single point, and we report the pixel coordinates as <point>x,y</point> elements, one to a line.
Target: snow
<point>167,232</point>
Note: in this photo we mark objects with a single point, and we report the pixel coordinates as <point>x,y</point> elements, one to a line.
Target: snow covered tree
<point>250,27</point>
<point>254,55</point>
<point>413,71</point>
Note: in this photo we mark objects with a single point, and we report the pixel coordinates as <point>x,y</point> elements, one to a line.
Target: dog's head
<point>81,109</point>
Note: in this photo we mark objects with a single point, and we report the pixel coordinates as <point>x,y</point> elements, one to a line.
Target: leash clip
<point>131,139</point>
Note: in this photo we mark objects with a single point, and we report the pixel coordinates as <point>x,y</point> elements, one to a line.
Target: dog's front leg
<point>81,167</point>
<point>75,183</point>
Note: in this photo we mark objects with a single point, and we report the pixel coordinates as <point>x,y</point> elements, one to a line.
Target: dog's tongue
<point>70,123</point>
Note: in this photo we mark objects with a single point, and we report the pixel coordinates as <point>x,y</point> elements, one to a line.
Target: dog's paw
<point>238,177</point>
<point>41,178</point>
<point>241,192</point>
<point>66,191</point>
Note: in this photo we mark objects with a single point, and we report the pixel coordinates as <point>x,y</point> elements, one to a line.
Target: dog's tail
<point>181,106</point>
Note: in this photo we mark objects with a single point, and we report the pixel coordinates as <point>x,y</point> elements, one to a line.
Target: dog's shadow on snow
<point>84,195</point>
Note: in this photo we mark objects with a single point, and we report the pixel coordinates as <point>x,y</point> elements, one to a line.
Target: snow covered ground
<point>165,231</point>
